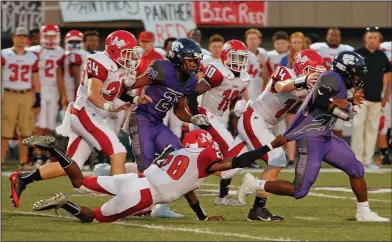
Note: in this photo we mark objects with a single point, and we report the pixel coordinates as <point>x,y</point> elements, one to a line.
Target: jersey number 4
<point>24,70</point>
<point>177,167</point>
<point>291,106</point>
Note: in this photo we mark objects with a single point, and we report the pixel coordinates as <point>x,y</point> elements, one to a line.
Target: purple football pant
<point>147,138</point>
<point>312,151</point>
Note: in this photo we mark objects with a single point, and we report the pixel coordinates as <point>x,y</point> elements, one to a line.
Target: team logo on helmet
<point>349,59</point>
<point>117,42</point>
<point>301,59</point>
<point>177,46</point>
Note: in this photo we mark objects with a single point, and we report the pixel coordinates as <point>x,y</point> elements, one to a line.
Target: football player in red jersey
<point>172,175</point>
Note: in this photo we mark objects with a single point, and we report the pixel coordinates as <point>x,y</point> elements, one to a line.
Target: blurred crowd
<point>29,105</point>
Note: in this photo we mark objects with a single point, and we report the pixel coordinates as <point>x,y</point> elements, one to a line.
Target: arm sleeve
<point>249,157</point>
<point>35,66</point>
<point>2,61</point>
<point>280,74</point>
<point>388,65</point>
<point>193,103</point>
<point>96,70</point>
<point>327,88</point>
<point>60,62</point>
<point>75,59</point>
<point>213,76</point>
<point>156,71</point>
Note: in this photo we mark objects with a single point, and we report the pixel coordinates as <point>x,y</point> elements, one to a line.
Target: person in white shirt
<point>281,44</point>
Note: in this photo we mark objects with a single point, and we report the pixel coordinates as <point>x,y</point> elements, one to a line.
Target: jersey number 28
<point>177,167</point>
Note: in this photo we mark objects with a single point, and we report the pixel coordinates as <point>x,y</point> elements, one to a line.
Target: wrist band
<point>300,81</point>
<point>107,106</point>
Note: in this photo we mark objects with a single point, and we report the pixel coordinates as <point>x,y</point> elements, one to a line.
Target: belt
<point>17,91</point>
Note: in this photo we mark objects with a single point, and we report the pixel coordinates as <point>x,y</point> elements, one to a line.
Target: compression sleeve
<point>247,158</point>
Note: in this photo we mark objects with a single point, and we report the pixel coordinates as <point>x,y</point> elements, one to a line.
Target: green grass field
<point>322,215</point>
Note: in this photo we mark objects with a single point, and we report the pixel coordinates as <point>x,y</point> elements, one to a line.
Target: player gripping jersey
<point>312,129</point>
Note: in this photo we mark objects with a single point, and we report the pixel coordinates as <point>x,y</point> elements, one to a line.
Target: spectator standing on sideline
<point>91,41</point>
<point>297,43</point>
<point>257,64</point>
<point>328,50</point>
<point>386,119</point>
<point>20,79</point>
<point>34,37</point>
<point>366,122</point>
<point>215,45</point>
<point>281,44</point>
<point>197,36</point>
<point>166,47</point>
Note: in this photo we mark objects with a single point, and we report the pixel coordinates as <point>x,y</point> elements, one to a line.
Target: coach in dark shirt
<point>366,122</point>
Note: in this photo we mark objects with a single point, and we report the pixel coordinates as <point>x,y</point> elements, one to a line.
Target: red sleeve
<point>35,65</point>
<point>96,70</point>
<point>75,59</point>
<point>60,62</point>
<point>205,158</point>
<point>280,74</point>
<point>2,60</point>
<point>213,75</point>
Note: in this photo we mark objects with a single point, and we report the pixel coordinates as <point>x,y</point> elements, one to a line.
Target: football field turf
<point>327,213</point>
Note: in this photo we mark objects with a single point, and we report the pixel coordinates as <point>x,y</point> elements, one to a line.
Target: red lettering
<point>159,30</point>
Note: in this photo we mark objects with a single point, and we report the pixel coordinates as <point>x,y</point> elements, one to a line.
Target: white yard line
<point>159,227</point>
<point>307,218</point>
<point>346,189</point>
<point>347,198</point>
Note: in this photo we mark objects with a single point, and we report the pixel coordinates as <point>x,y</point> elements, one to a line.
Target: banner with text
<point>18,13</point>
<point>230,13</point>
<point>171,19</point>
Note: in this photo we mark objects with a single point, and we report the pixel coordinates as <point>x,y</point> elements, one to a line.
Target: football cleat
<point>227,201</point>
<point>17,187</point>
<point>43,142</point>
<point>369,216</point>
<point>246,188</point>
<point>101,169</point>
<point>262,214</point>
<point>55,202</point>
<point>164,211</point>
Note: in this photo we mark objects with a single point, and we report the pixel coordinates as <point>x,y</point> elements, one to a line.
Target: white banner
<point>168,20</point>
<point>172,19</point>
<point>100,11</point>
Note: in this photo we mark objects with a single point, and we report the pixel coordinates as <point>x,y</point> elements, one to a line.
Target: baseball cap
<point>146,36</point>
<point>21,31</point>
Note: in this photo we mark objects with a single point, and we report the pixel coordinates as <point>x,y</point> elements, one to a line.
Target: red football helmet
<point>308,61</point>
<point>121,46</point>
<point>234,55</point>
<point>73,40</point>
<point>198,139</point>
<point>50,36</point>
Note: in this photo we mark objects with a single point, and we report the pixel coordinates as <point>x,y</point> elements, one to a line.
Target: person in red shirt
<point>146,41</point>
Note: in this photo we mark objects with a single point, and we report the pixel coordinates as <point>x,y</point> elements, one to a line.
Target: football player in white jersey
<point>281,46</point>
<point>75,58</point>
<point>386,118</point>
<point>51,61</point>
<point>283,95</point>
<point>328,50</point>
<point>105,76</point>
<point>223,83</point>
<point>19,79</point>
<point>172,175</point>
<point>257,65</point>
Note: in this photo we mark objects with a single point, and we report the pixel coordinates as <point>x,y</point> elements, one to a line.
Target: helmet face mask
<point>351,67</point>
<point>73,40</point>
<point>185,54</point>
<point>50,36</point>
<point>121,46</point>
<point>234,55</point>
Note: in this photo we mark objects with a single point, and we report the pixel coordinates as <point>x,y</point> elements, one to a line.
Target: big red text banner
<point>230,13</point>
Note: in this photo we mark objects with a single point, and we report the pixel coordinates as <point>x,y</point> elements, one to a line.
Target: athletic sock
<point>224,190</point>
<point>260,202</point>
<point>64,160</point>
<point>72,208</point>
<point>363,206</point>
<point>31,176</point>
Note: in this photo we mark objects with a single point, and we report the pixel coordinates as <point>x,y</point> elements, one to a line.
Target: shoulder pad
<point>36,48</point>
<point>272,53</point>
<point>105,61</point>
<point>347,47</point>
<point>283,73</point>
<point>157,70</point>
<point>318,45</point>
<point>263,52</point>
